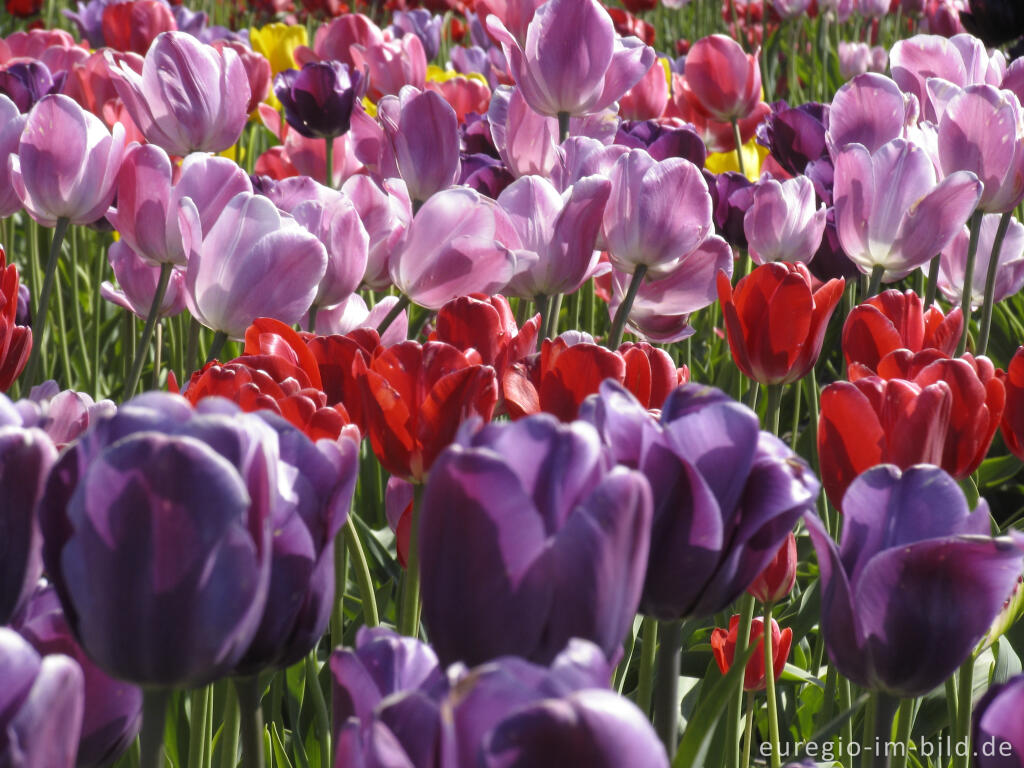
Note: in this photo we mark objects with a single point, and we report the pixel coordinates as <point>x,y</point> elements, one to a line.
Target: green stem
<point>875,285</point>
<point>649,642</point>
<point>229,736</point>
<point>666,683</point>
<point>556,310</point>
<point>769,681</point>
<point>65,353</point>
<point>965,305</point>
<point>878,725</point>
<point>933,281</point>
<point>154,714</point>
<point>157,352</point>
<point>951,703</point>
<point>748,732</point>
<point>322,719</point>
<point>795,429</point>
<point>362,571</point>
<point>905,723</point>
<point>563,127</point>
<point>543,305</point>
<point>739,146</point>
<point>845,737</point>
<point>340,587</point>
<point>43,308</point>
<point>151,322</point>
<point>329,165</point>
<point>736,703</point>
<point>400,306</point>
<point>773,409</point>
<point>191,349</point>
<point>965,706</point>
<point>409,611</point>
<point>79,326</point>
<point>219,339</point>
<point>249,694</point>
<point>990,282</point>
<point>197,725</point>
<point>622,313</point>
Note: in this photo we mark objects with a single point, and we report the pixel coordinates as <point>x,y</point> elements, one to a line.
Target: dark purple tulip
<point>475,136</point>
<point>915,582</point>
<point>40,706</point>
<point>156,534</point>
<point>796,136</point>
<point>305,523</point>
<point>732,194</point>
<point>998,734</point>
<point>994,21</point>
<point>831,260</point>
<point>663,141</point>
<point>319,98</point>
<point>487,175</point>
<point>23,316</point>
<point>422,23</point>
<point>26,456</point>
<point>26,82</point>
<point>113,709</point>
<point>530,537</point>
<point>725,493</point>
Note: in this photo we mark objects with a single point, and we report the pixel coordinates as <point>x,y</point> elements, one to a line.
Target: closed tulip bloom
<point>1009,272</point>
<point>891,213</point>
<point>234,268</point>
<point>169,510</point>
<point>112,713</point>
<point>648,98</point>
<point>386,213</point>
<point>783,223</point>
<point>134,26</point>
<point>392,64</point>
<point>40,706</point>
<point>67,163</point>
<point>488,326</point>
<point>555,75</point>
<point>26,82</point>
<point>337,225</point>
<point>15,337</point>
<point>854,59</point>
<point>914,583</point>
<point>870,110</point>
<point>776,324</point>
<point>581,528</point>
<point>62,414</point>
<point>663,141</point>
<point>189,97</point>
<point>723,646</point>
<point>723,80</point>
<point>777,579</point>
<point>996,723</point>
<point>319,98</point>
<point>137,280</point>
<point>12,123</point>
<point>796,136</point>
<point>1013,416</point>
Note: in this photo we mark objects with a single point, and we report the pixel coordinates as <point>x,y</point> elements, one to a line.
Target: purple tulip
<point>89,20</point>
<point>982,131</point>
<point>26,82</point>
<point>560,229</point>
<point>23,315</point>
<point>353,313</point>
<point>663,141</point>
<point>318,99</point>
<point>796,136</point>
<point>235,268</point>
<point>998,732</point>
<point>337,225</point>
<point>732,194</point>
<point>40,706</point>
<point>782,223</point>
<point>62,415</point>
<point>422,23</point>
<point>386,213</point>
<point>889,210</point>
<point>869,110</point>
<point>586,156</point>
<point>725,494</point>
<point>156,534</point>
<point>915,582</point>
<point>137,281</point>
<point>1009,273</point>
<point>487,175</point>
<point>1013,80</point>
<point>12,123</point>
<point>189,97</point>
<point>572,61</point>
<point>831,260</point>
<point>67,163</point>
<point>658,212</point>
<point>518,523</point>
<point>113,709</point>
<point>458,243</point>
<point>26,456</point>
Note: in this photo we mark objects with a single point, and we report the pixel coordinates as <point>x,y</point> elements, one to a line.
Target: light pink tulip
<point>854,59</point>
<point>392,65</point>
<point>137,280</point>
<point>352,313</point>
<point>336,40</point>
<point>12,123</point>
<point>385,212</point>
<point>1009,272</point>
<point>869,110</point>
<point>337,225</point>
<point>783,223</point>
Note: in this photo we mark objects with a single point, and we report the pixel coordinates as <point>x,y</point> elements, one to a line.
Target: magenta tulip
<point>137,280</point>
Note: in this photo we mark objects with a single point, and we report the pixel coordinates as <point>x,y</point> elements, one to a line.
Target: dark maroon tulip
<point>156,534</point>
<point>725,494</point>
<point>796,136</point>
<point>530,537</point>
<point>319,98</point>
<point>40,706</point>
<point>915,582</point>
<point>998,727</point>
<point>113,709</point>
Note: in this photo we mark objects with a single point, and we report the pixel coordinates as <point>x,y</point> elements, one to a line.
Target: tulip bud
<point>777,579</point>
<point>723,645</point>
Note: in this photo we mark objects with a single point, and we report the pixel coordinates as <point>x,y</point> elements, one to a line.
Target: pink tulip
<point>458,243</point>
<point>12,123</point>
<point>337,225</point>
<point>67,163</point>
<point>257,70</point>
<point>572,61</point>
<point>352,313</point>
<point>254,262</point>
<point>392,65</point>
<point>869,110</point>
<point>854,59</point>
<point>724,81</point>
<point>1013,80</point>
<point>1009,273</point>
<point>648,98</point>
<point>783,223</point>
<point>138,279</point>
<point>516,15</point>
<point>386,213</point>
<point>189,97</point>
<point>890,210</point>
<point>560,229</point>
<point>658,212</point>
<point>337,39</point>
<point>790,9</point>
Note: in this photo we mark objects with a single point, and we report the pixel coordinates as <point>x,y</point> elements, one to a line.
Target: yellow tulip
<point>753,156</point>
<point>277,43</point>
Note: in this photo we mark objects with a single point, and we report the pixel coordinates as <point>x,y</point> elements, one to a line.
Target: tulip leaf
<point>970,491</point>
<point>793,674</point>
<point>998,470</point>
<point>831,728</point>
<point>1007,662</point>
<point>701,727</point>
<point>280,757</point>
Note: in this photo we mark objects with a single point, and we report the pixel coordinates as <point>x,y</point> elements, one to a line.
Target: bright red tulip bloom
<point>721,79</point>
<point>1013,414</point>
<point>416,396</point>
<point>15,340</point>
<point>723,645</point>
<point>777,579</point>
<point>775,323</point>
<point>893,320</point>
<point>650,373</point>
<point>335,356</point>
<point>134,26</point>
<point>486,324</point>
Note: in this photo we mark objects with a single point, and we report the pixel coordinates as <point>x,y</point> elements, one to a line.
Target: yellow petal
<point>753,156</point>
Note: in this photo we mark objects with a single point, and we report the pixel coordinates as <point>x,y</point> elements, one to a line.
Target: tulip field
<point>511,383</point>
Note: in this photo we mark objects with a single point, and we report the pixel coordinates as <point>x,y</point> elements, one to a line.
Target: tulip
<point>796,136</point>
<point>15,338</point>
<point>581,527</point>
<point>663,141</point>
<point>112,713</point>
<point>997,732</point>
<point>648,98</point>
<point>723,81</point>
<point>555,75</point>
<point>318,99</point>
<point>277,43</point>
<point>870,110</point>
<point>353,314</point>
<point>782,223</point>
<point>188,98</point>
<point>234,268</point>
<point>134,26</point>
<point>138,282</point>
<point>486,325</point>
<point>732,194</point>
<point>392,64</point>
<point>777,579</point>
<point>723,646</point>
<point>421,23</point>
<point>915,582</point>
<point>1013,416</point>
<point>26,82</point>
<point>909,218</point>
<point>257,70</point>
<point>776,325</point>
<point>854,59</point>
<point>650,373</point>
<point>386,213</point>
<point>1009,269</point>
<point>40,707</point>
<point>62,415</point>
<point>12,124</point>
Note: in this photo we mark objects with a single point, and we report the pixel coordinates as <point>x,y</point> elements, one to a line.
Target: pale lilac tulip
<point>854,59</point>
<point>352,313</point>
<point>982,131</point>
<point>12,123</point>
<point>890,210</point>
<point>872,8</point>
<point>790,9</point>
<point>1009,273</point>
<point>189,97</point>
<point>458,243</point>
<point>1013,80</point>
<point>869,110</point>
<point>561,229</point>
<point>392,64</point>
<point>138,279</point>
<point>658,212</point>
<point>337,225</point>
<point>67,163</point>
<point>841,10</point>
<point>386,214</point>
<point>783,223</point>
<point>424,131</point>
<point>254,262</point>
<point>573,61</point>
<point>584,156</point>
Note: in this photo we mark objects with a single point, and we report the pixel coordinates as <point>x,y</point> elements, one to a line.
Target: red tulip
<point>723,645</point>
<point>134,26</point>
<point>15,340</point>
<point>776,325</point>
<point>626,24</point>
<point>486,324</point>
<point>416,396</point>
<point>1013,415</point>
<point>335,356</point>
<point>777,579</point>
<point>650,373</point>
<point>893,320</point>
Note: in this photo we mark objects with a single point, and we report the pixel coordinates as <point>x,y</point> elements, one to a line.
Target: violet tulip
<point>915,581</point>
<point>386,213</point>
<point>783,223</point>
<point>137,283</point>
<point>998,732</point>
<point>1009,276</point>
<point>870,110</point>
<point>796,136</point>
<point>517,522</point>
<point>12,123</point>
<point>319,98</point>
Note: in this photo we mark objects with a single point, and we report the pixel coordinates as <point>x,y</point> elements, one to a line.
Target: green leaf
<point>998,470</point>
<point>280,757</point>
<point>793,674</point>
